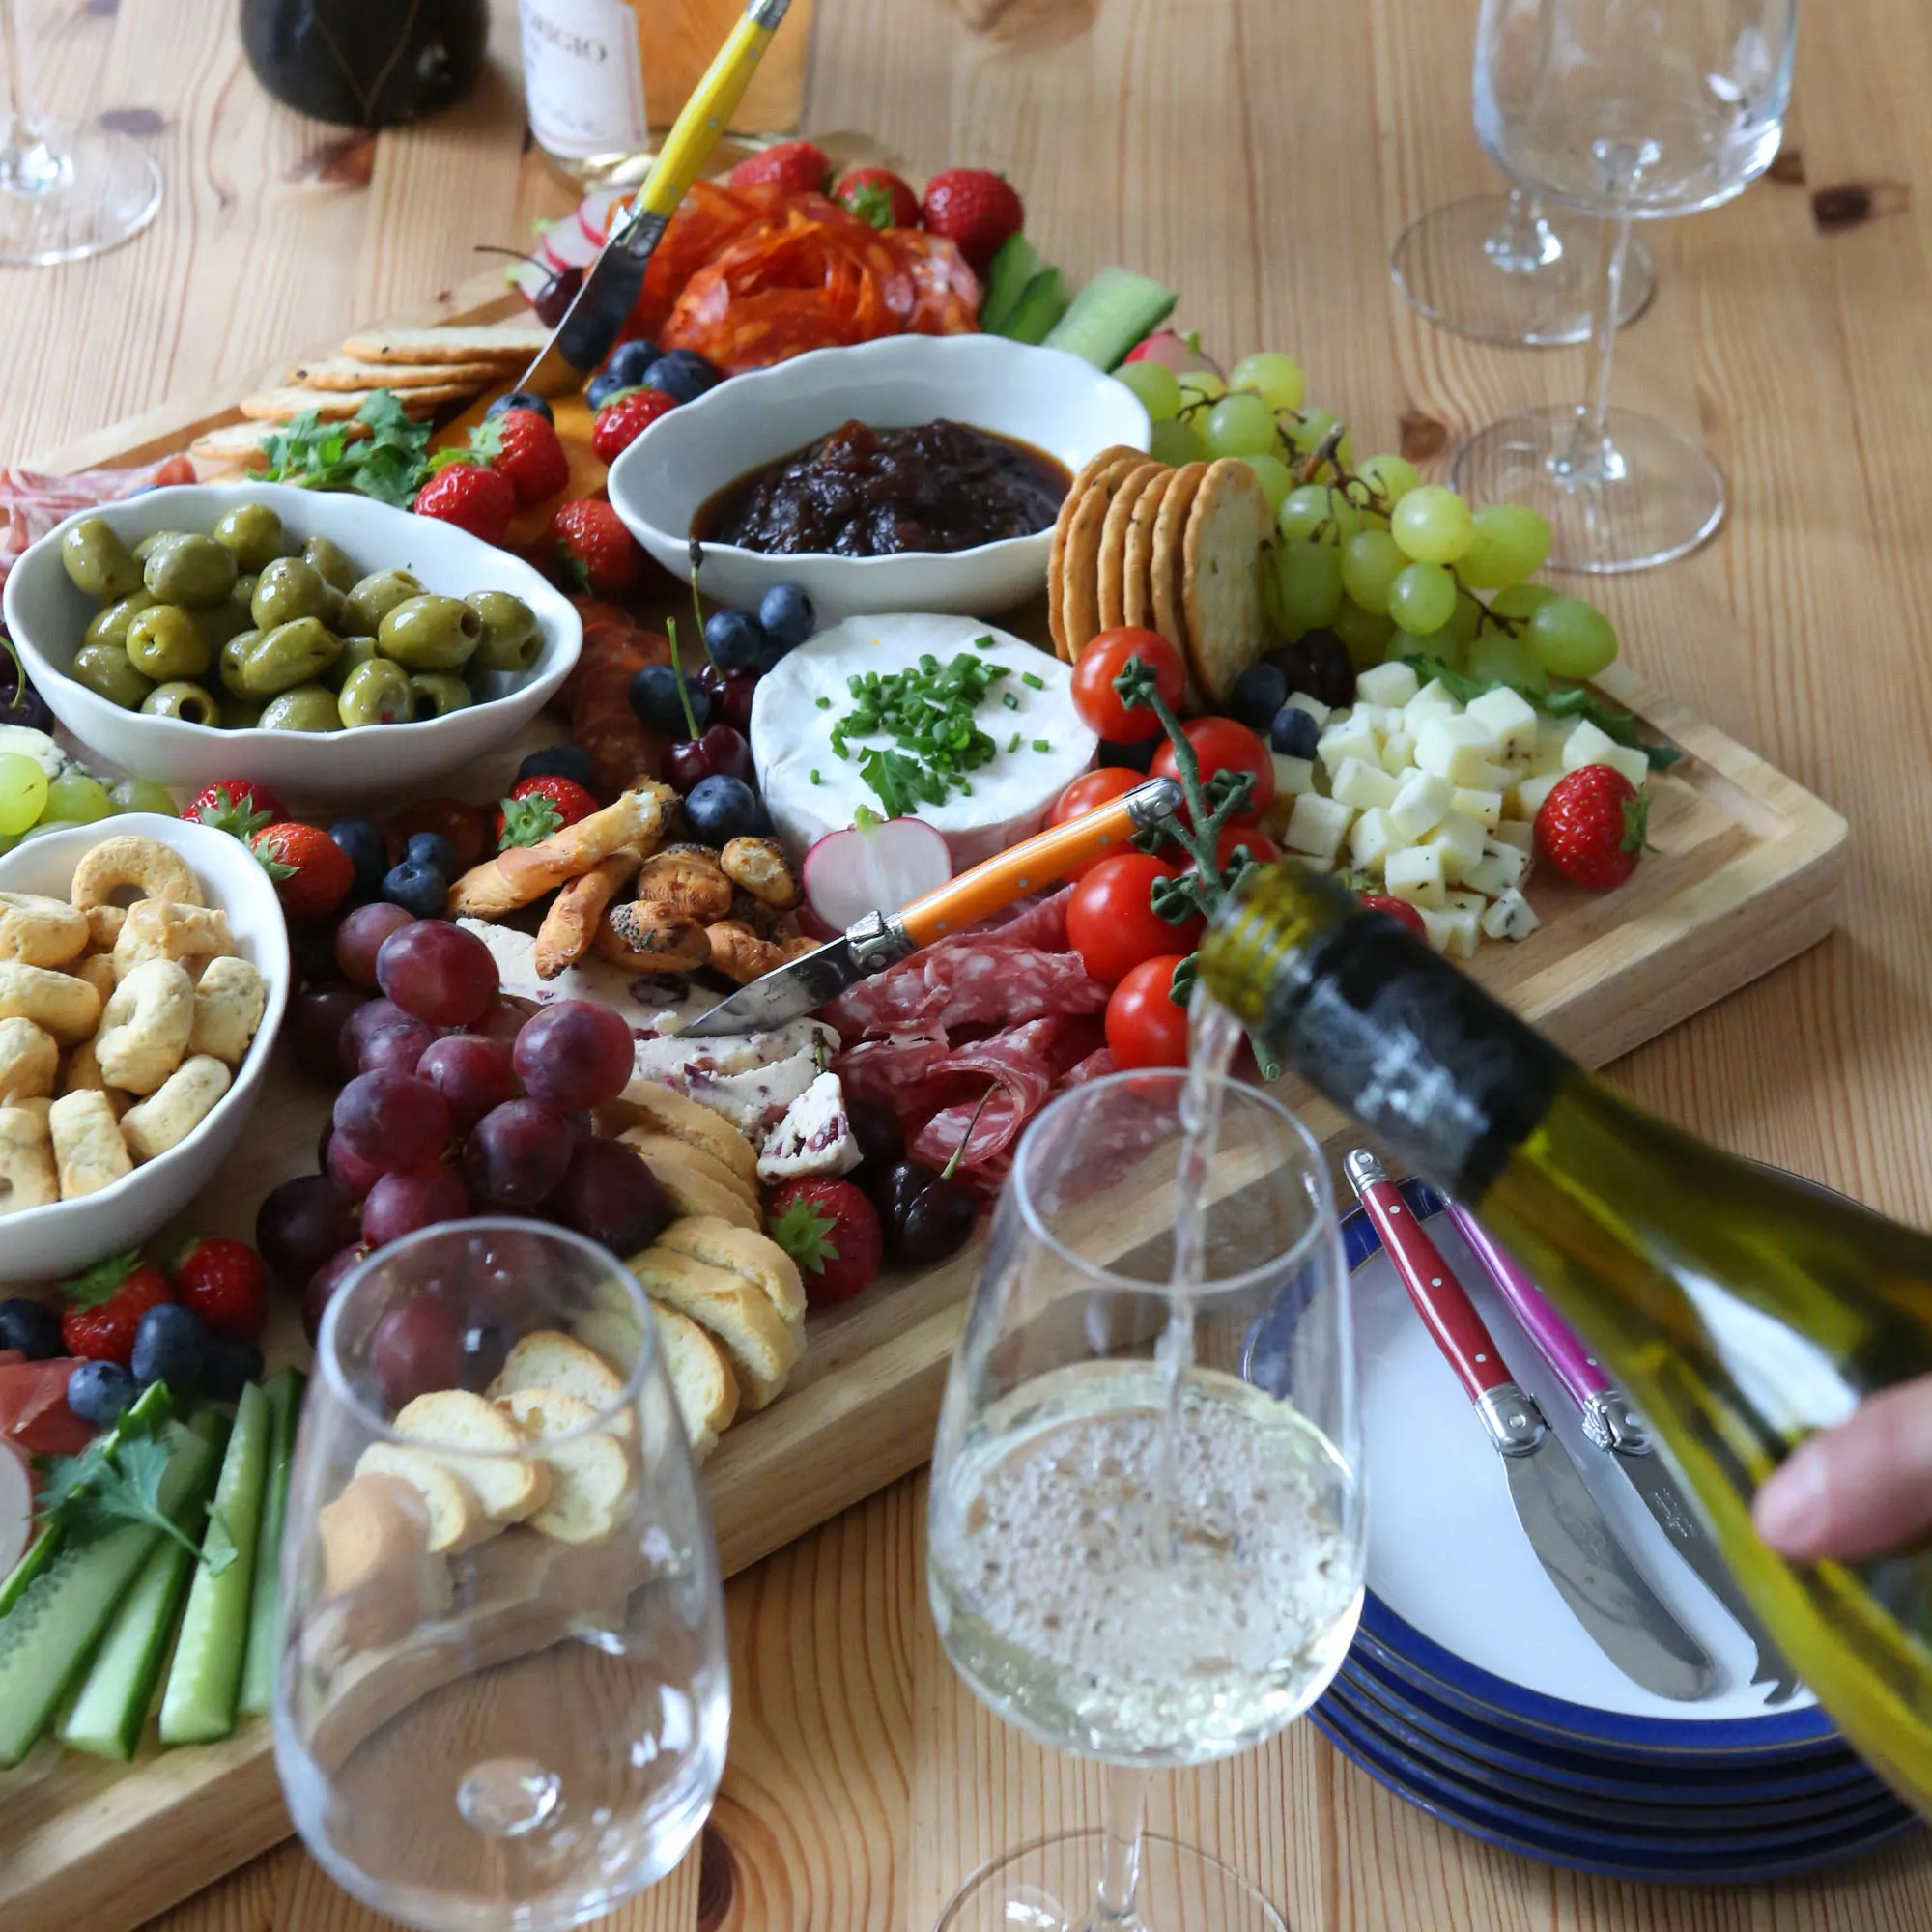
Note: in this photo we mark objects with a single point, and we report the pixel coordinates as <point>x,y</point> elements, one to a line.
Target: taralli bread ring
<point>686,880</point>
<point>29,1060</point>
<point>145,1028</point>
<point>761,867</point>
<point>740,954</point>
<point>40,931</point>
<point>89,1153</point>
<point>98,969</point>
<point>103,927</point>
<point>155,871</point>
<point>648,939</point>
<point>82,1075</point>
<point>161,929</point>
<point>58,1002</point>
<point>27,1177</point>
<point>228,1003</point>
<point>176,1108</point>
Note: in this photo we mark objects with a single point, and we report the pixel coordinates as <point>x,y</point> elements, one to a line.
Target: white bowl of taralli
<point>62,1238</point>
<point>46,614</point>
<point>1060,405</point>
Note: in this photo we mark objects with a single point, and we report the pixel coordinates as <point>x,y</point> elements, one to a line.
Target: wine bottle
<point>1740,1308</point>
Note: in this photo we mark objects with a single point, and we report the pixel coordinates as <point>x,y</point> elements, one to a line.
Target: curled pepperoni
<point>600,719</point>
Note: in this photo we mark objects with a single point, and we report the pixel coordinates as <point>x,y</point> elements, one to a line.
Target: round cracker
<point>1170,533</point>
<point>1137,569</point>
<point>1056,558</point>
<point>1109,585</point>
<point>1227,537</point>
<point>1080,565</point>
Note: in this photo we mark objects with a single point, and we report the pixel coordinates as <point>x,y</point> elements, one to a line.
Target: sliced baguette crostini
<point>479,1444</point>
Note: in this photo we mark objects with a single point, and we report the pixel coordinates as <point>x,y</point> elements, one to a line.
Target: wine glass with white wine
<point>1144,1549</point>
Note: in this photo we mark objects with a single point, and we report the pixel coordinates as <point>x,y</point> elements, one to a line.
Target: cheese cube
<point>1511,718</point>
<point>1362,785</point>
<point>1415,874</point>
<point>1512,916</point>
<point>1398,753</point>
<point>1485,807</point>
<point>1517,833</point>
<point>1419,804</point>
<point>1474,902</point>
<point>1459,841</point>
<point>1500,868</point>
<point>1373,839</point>
<point>1314,707</point>
<point>1318,826</point>
<point>1378,718</point>
<point>1525,801</point>
<point>1429,703</point>
<point>1308,862</point>
<point>1292,776</point>
<point>1588,745</point>
<point>1632,761</point>
<point>1349,737</point>
<point>1551,735</point>
<point>1455,933</point>
<point>1491,777</point>
<point>1456,749</point>
<point>1390,684</point>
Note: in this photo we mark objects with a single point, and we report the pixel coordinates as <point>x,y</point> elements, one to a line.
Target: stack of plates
<point>1473,1693</point>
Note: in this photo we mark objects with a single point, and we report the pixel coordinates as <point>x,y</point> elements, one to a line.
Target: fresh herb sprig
<point>388,463</point>
<point>112,1482</point>
<point>929,714</point>
<point>1570,700</point>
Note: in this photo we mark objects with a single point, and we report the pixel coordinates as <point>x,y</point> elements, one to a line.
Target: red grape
<point>315,1023</point>
<point>474,1074</point>
<point>610,1196</point>
<point>396,1049</point>
<point>360,936</point>
<point>438,972</point>
<point>393,1120</point>
<point>410,1198</point>
<point>325,1281</point>
<point>517,1154</point>
<point>350,1172</point>
<point>575,1054</point>
<point>505,1018</point>
<point>360,1052</point>
<point>418,1348</point>
<point>301,1223</point>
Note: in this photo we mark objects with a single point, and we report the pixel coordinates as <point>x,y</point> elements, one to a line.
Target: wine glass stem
<point>1121,1825</point>
<point>26,164</point>
<point>1590,456</point>
<point>1524,242</point>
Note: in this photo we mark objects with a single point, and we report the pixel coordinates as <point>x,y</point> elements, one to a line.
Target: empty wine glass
<point>68,188</point>
<point>1632,110</point>
<point>502,1698</point>
<point>1143,1549</point>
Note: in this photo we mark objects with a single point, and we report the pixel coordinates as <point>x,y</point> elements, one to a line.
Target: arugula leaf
<point>1570,700</point>
<point>388,463</point>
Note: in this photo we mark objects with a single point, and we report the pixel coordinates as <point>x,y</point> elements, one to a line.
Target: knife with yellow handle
<point>592,323</point>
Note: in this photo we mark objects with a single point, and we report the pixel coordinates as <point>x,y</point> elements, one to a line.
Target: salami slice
<point>600,719</point>
<point>960,985</point>
<point>1020,1063</point>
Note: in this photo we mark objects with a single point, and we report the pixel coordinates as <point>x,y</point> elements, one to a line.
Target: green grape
<point>1441,645</point>
<point>1200,386</point>
<point>141,795</point>
<point>1273,474</point>
<point>1308,586</point>
<point>1521,600</point>
<point>1365,635</point>
<point>1392,478</point>
<point>1371,561</point>
<point>1154,384</point>
<point>1508,545</point>
<point>1422,598</point>
<point>23,793</point>
<point>1315,513</point>
<point>1374,520</point>
<point>1468,618</point>
<point>1498,658</point>
<point>1573,638</point>
<point>48,825</point>
<point>1239,426</point>
<point>1275,377</point>
<point>1433,524</point>
<point>78,799</point>
<point>1175,441</point>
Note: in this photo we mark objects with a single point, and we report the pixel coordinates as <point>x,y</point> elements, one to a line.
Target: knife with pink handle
<point>1614,1425</point>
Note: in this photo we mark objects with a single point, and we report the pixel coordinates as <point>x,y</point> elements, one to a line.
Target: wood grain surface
<point>1262,157</point>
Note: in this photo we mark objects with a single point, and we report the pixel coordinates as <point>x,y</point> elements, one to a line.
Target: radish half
<point>879,867</point>
<point>16,1507</point>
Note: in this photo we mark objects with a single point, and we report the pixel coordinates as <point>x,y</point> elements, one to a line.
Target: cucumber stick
<point>258,1668</point>
<point>198,1706</point>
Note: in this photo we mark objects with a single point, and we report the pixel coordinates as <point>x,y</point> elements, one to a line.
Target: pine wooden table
<point>1261,157</point>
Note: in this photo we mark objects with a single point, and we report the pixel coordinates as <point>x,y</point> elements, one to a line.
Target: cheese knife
<point>1629,1622</point>
<point>597,315</point>
<point>881,939</point>
<point>1615,1427</point>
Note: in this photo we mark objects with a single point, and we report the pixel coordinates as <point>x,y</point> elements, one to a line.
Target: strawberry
<point>832,1232</point>
<point>974,208</point>
<point>1399,909</point>
<point>311,872</point>
<point>104,1307</point>
<point>594,551</point>
<point>879,196</point>
<point>1591,826</point>
<point>476,499</point>
<point>226,1284</point>
<point>524,447</point>
<point>538,807</point>
<point>797,165</point>
<point>624,417</point>
<point>237,806</point>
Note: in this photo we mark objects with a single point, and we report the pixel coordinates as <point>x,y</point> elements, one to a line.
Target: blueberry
<point>431,848</point>
<point>229,1366</point>
<point>786,613</point>
<point>101,1393</point>
<point>655,700</point>
<point>682,373</point>
<point>169,1347</point>
<point>1258,693</point>
<point>417,888</point>
<point>736,640</point>
<point>560,761</point>
<point>719,809</point>
<point>1135,757</point>
<point>521,399</point>
<point>600,388</point>
<point>1293,732</point>
<point>31,1327</point>
<point>629,362</point>
<point>367,852</point>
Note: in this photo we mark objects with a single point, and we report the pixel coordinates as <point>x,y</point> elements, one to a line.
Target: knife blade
<point>1616,1428</point>
<point>1607,1592</point>
<point>598,312</point>
<point>881,939</point>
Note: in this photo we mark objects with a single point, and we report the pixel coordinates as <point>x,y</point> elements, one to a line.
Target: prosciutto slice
<point>34,1412</point>
<point>32,503</point>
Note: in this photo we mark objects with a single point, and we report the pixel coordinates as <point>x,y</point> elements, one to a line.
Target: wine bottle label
<point>583,76</point>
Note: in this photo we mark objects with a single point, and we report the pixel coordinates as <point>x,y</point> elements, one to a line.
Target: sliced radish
<point>879,867</point>
<point>16,1507</point>
<point>1180,353</point>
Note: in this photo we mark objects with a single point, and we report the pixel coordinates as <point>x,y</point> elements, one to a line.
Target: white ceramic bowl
<point>1054,401</point>
<point>45,1243</point>
<point>46,614</point>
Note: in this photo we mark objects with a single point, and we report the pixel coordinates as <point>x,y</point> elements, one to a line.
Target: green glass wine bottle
<point>1743,1310</point>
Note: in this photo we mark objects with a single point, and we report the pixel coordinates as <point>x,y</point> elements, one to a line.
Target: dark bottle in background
<point>365,63</point>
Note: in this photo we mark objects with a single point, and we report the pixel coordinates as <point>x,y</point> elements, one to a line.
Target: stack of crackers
<point>427,368</point>
<point>1180,552</point>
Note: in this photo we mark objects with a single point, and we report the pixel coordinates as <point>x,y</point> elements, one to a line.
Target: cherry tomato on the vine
<point>1111,922</point>
<point>1145,1028</point>
<point>1262,849</point>
<point>1221,745</point>
<point>1089,792</point>
<point>1100,704</point>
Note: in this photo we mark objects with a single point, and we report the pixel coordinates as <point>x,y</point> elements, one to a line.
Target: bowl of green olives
<point>320,642</point>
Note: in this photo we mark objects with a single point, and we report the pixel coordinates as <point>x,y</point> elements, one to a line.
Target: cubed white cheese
<point>1432,702</point>
<point>1632,761</point>
<point>1586,746</point>
<point>1381,720</point>
<point>1474,902</point>
<point>1415,874</point>
<point>814,1137</point>
<point>1500,868</point>
<point>1454,933</point>
<point>1309,862</point>
<point>1512,916</point>
<point>1489,778</point>
<point>1456,749</point>
<point>1318,826</point>
<point>1551,735</point>
<point>1485,807</point>
<point>1459,843</point>
<point>1292,776</point>
<point>1350,737</point>
<point>1511,718</point>
<point>1373,839</point>
<point>1390,684</point>
<point>1419,803</point>
<point>1398,753</point>
<point>1526,799</point>
<point>1518,833</point>
<point>1362,785</point>
<point>1314,707</point>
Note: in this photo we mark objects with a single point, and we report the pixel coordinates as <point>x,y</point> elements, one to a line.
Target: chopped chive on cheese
<point>815,778</point>
<point>985,643</point>
<point>927,712</point>
<point>1014,742</point>
<point>1012,703</point>
<point>1043,745</point>
<point>1029,677</point>
<point>824,703</point>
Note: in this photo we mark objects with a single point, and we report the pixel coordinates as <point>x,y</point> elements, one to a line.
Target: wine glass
<point>1508,270</point>
<point>1632,110</point>
<point>1137,1552</point>
<point>477,1725</point>
<point>68,188</point>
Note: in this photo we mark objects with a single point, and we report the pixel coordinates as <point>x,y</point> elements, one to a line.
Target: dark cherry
<point>732,693</point>
<point>556,295</point>
<point>926,1216</point>
<point>881,1143</point>
<point>718,749</point>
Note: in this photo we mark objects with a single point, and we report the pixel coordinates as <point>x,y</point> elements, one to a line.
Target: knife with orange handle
<point>882,939</point>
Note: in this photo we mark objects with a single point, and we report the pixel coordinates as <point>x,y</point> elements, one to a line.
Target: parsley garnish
<point>388,463</point>
<point>103,1488</point>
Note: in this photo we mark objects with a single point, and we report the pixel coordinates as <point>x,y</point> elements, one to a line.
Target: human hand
<point>1856,1491</point>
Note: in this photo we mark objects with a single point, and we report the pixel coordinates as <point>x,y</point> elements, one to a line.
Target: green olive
<point>377,693</point>
<point>337,603</point>
<point>372,598</point>
<point>330,562</point>
<point>234,655</point>
<point>308,707</point>
<point>110,626</point>
<point>287,590</point>
<point>166,644</point>
<point>221,621</point>
<point>431,633</point>
<point>239,714</point>
<point>511,639</point>
<point>294,653</point>
<point>97,561</point>
<point>244,593</point>
<point>439,693</point>
<point>106,671</point>
<point>355,653</point>
<point>254,533</point>
<point>188,703</point>
<point>190,570</point>
<point>152,542</point>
